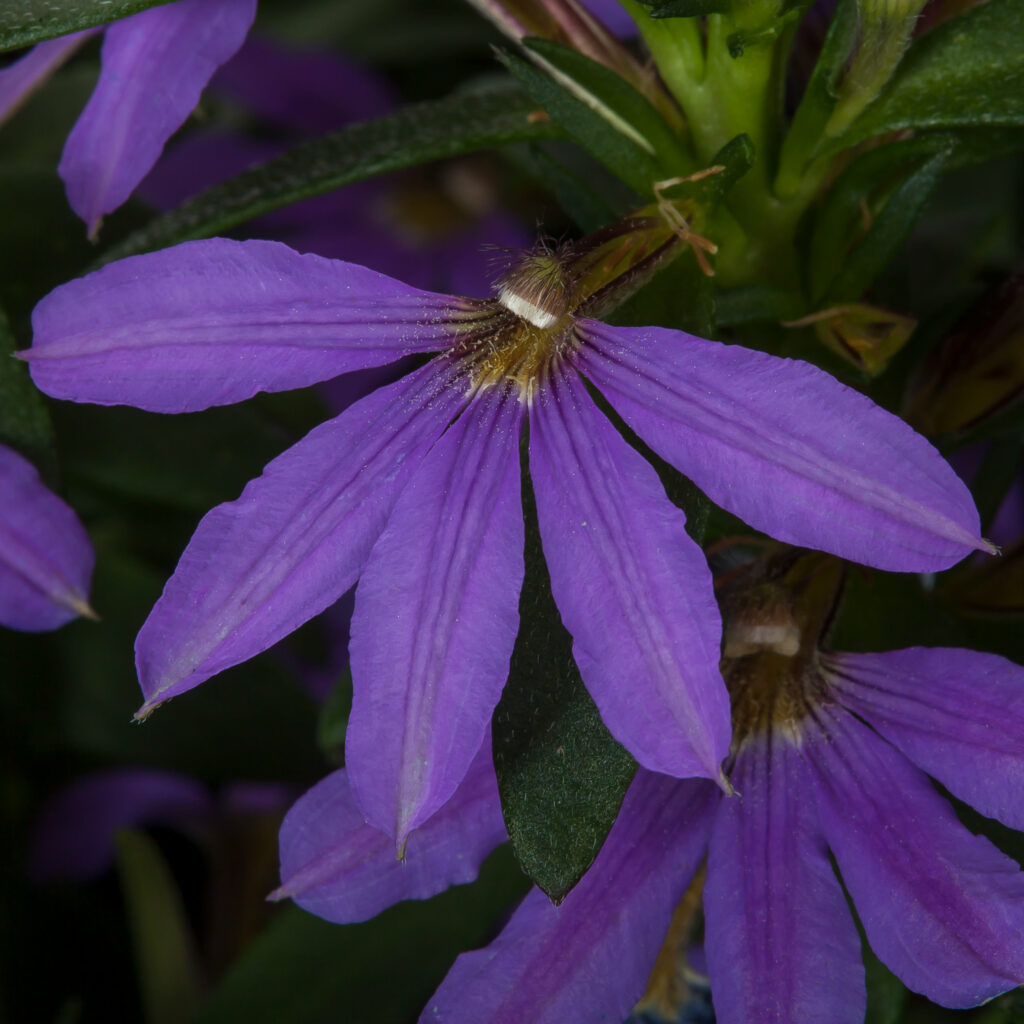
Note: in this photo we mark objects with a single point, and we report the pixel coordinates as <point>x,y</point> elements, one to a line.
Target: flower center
<point>516,338</point>
<point>772,631</point>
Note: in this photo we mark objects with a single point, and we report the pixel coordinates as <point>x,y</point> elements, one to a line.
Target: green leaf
<point>302,970</point>
<point>614,95</point>
<point>967,72</point>
<point>561,775</point>
<point>892,183</point>
<point>24,422</point>
<point>165,958</point>
<point>887,995</point>
<point>756,304</point>
<point>24,22</point>
<point>466,121</point>
<point>332,722</point>
<point>251,722</point>
<point>888,231</point>
<point>819,98</point>
<point>597,128</point>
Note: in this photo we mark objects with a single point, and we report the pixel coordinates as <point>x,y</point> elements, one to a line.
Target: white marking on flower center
<point>526,310</point>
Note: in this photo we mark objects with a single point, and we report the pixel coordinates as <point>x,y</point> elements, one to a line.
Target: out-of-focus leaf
<point>597,128</point>
<point>561,775</point>
<point>165,958</point>
<point>191,461</point>
<point>856,264</point>
<point>306,971</point>
<point>756,304</point>
<point>614,95</point>
<point>466,121</point>
<point>992,587</point>
<point>977,370</point>
<point>24,422</point>
<point>967,72</point>
<point>887,995</point>
<point>24,22</point>
<point>333,720</point>
<point>42,243</point>
<point>251,722</point>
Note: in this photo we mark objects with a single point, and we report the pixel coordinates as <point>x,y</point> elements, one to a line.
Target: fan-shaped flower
<point>415,491</point>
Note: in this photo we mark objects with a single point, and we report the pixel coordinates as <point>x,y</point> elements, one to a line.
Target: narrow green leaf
<point>24,422</point>
<point>756,304</point>
<point>614,94</point>
<point>24,22</point>
<point>466,121</point>
<point>888,231</point>
<point>865,185</point>
<point>561,775</point>
<point>302,970</point>
<point>621,152</point>
<point>819,98</point>
<point>887,996</point>
<point>967,72</point>
<point>165,958</point>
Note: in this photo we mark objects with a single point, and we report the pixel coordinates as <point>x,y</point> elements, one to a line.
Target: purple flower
<point>154,66</point>
<point>415,492</point>
<point>46,559</point>
<point>830,755</point>
<point>75,831</point>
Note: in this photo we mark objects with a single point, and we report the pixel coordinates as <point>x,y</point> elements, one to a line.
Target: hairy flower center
<point>773,630</point>
<point>519,336</point>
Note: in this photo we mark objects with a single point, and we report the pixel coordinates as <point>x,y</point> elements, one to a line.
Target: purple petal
<point>959,715</point>
<point>154,67</point>
<point>944,909</point>
<point>782,947</point>
<point>589,958</point>
<point>436,619</point>
<point>20,79</point>
<point>632,587</point>
<point>46,559</point>
<point>787,448</point>
<point>297,538</point>
<point>74,833</point>
<point>336,866</point>
<point>212,322</point>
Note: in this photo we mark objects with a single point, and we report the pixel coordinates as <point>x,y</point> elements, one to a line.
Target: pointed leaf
<point>24,421</point>
<point>561,775</point>
<point>615,94</point>
<point>595,126</point>
<point>165,956</point>
<point>24,22</point>
<point>463,122</point>
<point>968,71</point>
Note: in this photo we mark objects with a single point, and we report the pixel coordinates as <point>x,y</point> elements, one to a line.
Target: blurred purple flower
<point>155,64</point>
<point>943,908</point>
<point>46,559</point>
<point>414,491</point>
<point>426,231</point>
<point>75,830</point>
